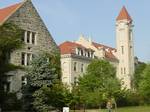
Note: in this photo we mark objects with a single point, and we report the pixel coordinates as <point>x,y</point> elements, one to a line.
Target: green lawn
<point>125,109</point>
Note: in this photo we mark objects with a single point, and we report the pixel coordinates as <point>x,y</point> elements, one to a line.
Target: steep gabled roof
<point>124,15</point>
<point>5,13</point>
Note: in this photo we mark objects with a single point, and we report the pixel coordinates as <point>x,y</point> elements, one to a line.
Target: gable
<point>27,18</point>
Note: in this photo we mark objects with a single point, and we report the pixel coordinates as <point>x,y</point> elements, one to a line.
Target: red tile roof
<point>5,13</point>
<point>108,53</point>
<point>69,47</point>
<point>97,45</point>
<point>124,15</point>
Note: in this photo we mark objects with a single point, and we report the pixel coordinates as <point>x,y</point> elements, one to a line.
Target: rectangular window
<point>124,70</point>
<point>122,49</point>
<point>23,59</point>
<point>33,38</point>
<point>75,66</point>
<point>130,35</point>
<point>26,58</point>
<point>23,36</point>
<point>82,67</point>
<point>28,36</point>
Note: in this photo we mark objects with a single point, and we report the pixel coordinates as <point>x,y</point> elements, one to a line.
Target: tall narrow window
<point>130,35</point>
<point>122,49</point>
<point>28,36</point>
<point>88,54</point>
<point>33,38</point>
<point>23,36</point>
<point>81,52</point>
<point>124,70</point>
<point>75,66</point>
<point>23,59</point>
<point>28,58</point>
<point>82,67</point>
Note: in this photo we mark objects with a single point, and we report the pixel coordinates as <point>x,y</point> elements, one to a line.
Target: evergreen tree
<point>43,72</point>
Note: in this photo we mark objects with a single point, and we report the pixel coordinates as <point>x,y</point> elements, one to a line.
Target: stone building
<point>36,38</point>
<point>122,57</point>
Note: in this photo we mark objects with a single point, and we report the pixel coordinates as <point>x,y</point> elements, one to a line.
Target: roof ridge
<point>103,45</point>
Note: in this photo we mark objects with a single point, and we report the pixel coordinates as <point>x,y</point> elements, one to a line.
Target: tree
<point>10,40</point>
<point>43,72</point>
<point>138,75</point>
<point>58,96</point>
<point>99,83</point>
<point>144,85</point>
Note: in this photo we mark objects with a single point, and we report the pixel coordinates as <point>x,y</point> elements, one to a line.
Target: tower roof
<point>124,15</point>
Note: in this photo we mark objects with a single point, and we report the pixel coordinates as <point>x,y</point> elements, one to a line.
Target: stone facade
<point>28,19</point>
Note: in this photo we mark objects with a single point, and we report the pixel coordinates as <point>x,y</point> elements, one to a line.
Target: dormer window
<point>81,52</point>
<point>88,54</point>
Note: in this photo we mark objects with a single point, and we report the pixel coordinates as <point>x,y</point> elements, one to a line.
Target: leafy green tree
<point>10,40</point>
<point>43,72</point>
<point>58,96</point>
<point>138,75</point>
<point>144,85</point>
<point>99,83</point>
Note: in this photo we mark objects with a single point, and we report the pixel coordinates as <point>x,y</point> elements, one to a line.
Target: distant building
<point>75,56</point>
<point>36,38</point>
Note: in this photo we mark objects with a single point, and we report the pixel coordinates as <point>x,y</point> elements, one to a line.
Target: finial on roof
<point>90,40</point>
<point>124,15</point>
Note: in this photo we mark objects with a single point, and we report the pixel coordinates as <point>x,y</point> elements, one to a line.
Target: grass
<point>125,109</point>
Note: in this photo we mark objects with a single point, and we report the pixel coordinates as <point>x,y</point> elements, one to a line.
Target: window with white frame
<point>26,58</point>
<point>29,37</point>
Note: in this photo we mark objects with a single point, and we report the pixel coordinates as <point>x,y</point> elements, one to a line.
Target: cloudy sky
<point>67,19</point>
